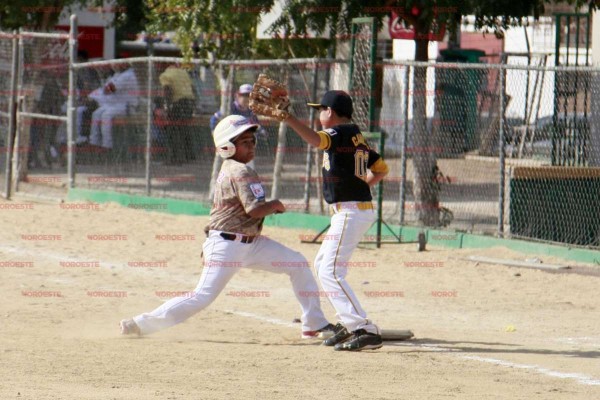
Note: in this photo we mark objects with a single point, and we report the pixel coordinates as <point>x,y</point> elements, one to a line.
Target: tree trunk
<point>454,32</point>
<point>424,157</point>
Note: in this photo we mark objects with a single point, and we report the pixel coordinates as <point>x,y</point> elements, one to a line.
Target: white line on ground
<point>270,320</point>
<point>583,379</point>
<point>584,340</point>
<point>579,378</point>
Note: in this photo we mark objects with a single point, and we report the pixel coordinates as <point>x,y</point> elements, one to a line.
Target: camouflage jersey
<point>237,192</point>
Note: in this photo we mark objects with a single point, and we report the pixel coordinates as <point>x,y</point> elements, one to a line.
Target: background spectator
<point>87,79</point>
<point>43,132</point>
<point>180,102</point>
<point>239,106</point>
<point>114,99</point>
<point>159,124</point>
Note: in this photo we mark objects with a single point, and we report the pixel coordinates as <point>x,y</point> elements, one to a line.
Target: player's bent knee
<point>290,265</point>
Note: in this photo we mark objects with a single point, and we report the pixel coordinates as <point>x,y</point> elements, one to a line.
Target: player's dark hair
<point>253,130</point>
<point>342,115</point>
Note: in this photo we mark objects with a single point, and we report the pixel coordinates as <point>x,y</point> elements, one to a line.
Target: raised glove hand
<point>270,98</point>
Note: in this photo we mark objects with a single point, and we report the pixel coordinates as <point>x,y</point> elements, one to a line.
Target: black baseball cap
<point>338,100</point>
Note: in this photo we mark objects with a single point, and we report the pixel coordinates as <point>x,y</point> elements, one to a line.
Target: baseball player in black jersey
<point>350,168</point>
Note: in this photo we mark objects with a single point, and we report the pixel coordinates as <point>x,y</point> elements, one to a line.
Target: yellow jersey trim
<point>325,143</point>
<point>380,167</point>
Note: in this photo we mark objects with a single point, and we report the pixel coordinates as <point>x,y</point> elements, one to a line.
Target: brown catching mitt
<point>269,97</point>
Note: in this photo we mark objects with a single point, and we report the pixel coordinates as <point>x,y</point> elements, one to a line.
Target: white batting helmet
<point>228,129</point>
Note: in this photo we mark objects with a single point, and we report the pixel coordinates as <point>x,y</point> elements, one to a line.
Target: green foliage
<point>225,30</point>
<point>32,14</point>
<point>491,15</point>
<point>497,16</point>
<point>43,15</point>
<point>300,16</point>
<point>216,29</point>
<point>130,18</point>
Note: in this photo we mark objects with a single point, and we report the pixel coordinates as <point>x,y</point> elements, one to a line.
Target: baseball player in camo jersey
<point>347,160</point>
<point>234,241</point>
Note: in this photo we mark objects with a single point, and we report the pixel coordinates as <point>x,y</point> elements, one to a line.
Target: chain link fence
<point>361,90</point>
<point>43,91</point>
<point>513,148</point>
<point>440,168</point>
<point>507,150</point>
<point>111,124</point>
<point>169,113</point>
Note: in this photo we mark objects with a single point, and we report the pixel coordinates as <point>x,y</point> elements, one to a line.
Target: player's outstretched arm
<point>270,207</point>
<point>311,137</point>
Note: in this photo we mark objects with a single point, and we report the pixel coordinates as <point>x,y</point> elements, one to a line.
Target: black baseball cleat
<point>361,340</point>
<point>340,334</point>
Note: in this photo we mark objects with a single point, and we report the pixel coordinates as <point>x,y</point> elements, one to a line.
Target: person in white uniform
<point>350,168</point>
<point>234,241</point>
<point>119,94</point>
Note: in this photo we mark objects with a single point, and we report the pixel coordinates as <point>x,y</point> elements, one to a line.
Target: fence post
<point>280,151</point>
<point>17,138</point>
<point>309,148</point>
<point>501,189</point>
<point>71,114</point>
<point>12,114</point>
<point>403,141</point>
<point>279,154</point>
<point>149,122</point>
<point>226,85</point>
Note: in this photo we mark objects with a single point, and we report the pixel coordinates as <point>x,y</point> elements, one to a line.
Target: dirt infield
<point>71,272</point>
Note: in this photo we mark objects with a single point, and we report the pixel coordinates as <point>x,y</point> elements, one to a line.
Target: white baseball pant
<point>102,120</point>
<point>79,123</point>
<point>348,224</point>
<point>222,259</point>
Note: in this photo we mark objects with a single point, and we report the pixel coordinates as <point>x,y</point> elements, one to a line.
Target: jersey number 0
<point>361,160</point>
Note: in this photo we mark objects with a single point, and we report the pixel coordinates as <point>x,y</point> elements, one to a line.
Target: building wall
<point>596,38</point>
<point>96,35</point>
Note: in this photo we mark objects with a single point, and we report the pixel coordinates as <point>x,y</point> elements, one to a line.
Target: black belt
<point>232,236</point>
